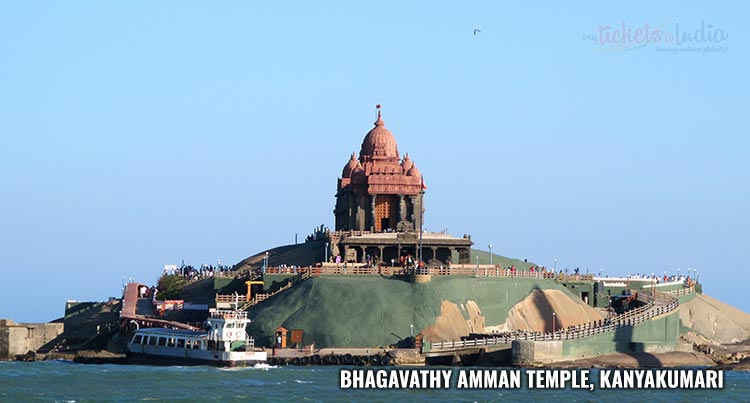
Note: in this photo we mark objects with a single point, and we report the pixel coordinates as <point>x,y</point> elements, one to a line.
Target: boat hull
<point>150,359</point>
<point>160,355</point>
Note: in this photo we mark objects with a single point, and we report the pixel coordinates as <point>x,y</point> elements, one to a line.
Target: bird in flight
<point>477,30</point>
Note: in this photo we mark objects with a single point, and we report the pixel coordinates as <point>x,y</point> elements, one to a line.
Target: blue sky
<point>134,135</point>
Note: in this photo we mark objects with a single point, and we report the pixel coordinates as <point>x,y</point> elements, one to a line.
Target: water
<point>57,381</point>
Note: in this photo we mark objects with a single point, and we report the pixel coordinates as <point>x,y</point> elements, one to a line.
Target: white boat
<point>225,343</point>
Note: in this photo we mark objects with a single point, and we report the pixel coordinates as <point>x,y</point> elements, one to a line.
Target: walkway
<point>661,304</point>
<point>130,320</point>
<point>227,300</point>
<point>484,270</point>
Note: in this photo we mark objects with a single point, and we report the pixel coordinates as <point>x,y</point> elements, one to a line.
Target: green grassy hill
<point>349,311</point>
<point>303,254</point>
<point>204,291</point>
<point>484,258</point>
<point>367,311</point>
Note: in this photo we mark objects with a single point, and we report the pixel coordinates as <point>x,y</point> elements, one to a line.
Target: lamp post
<point>490,246</point>
<point>477,262</point>
<point>421,220</point>
<point>326,254</point>
<point>678,273</point>
<point>555,265</point>
<point>553,324</point>
<point>690,275</point>
<point>265,263</point>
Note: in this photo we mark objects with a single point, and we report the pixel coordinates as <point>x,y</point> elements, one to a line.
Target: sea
<point>60,381</point>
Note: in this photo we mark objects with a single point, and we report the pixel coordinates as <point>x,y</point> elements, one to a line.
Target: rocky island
<point>379,290</point>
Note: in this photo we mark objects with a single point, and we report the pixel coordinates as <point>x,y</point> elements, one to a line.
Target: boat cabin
<point>225,332</point>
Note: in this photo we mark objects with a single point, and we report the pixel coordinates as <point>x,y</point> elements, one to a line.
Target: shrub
<point>170,287</point>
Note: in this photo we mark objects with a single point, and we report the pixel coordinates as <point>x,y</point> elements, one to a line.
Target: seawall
<point>658,335</point>
<point>20,338</point>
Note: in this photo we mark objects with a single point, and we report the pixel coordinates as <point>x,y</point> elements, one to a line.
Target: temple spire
<point>378,122</point>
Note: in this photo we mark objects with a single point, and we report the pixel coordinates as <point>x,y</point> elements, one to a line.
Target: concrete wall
<point>687,297</point>
<point>18,339</point>
<point>655,336</point>
<point>73,308</point>
<point>582,289</point>
<point>528,352</point>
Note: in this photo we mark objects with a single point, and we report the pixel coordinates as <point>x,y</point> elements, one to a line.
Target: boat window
<point>170,342</point>
<point>152,341</point>
<point>230,325</point>
<point>197,345</point>
<point>162,341</point>
<point>180,343</point>
<point>137,339</point>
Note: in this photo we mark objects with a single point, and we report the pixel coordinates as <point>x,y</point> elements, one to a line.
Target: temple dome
<point>413,172</point>
<point>406,164</point>
<point>350,167</point>
<point>379,143</point>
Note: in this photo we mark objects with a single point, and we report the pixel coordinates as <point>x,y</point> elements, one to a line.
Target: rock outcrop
<point>715,320</point>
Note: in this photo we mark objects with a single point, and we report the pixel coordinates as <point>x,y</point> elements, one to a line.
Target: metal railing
<point>230,298</point>
<point>660,304</point>
<point>455,270</point>
<point>228,314</point>
<point>470,270</point>
<point>260,297</point>
<point>682,291</point>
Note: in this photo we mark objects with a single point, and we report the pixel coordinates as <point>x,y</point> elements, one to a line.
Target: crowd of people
<point>659,278</point>
<point>191,273</point>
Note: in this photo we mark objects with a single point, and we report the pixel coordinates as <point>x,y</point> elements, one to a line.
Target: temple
<point>380,207</point>
<point>379,192</point>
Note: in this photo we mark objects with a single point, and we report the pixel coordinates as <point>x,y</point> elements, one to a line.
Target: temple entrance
<point>386,212</point>
<point>384,222</point>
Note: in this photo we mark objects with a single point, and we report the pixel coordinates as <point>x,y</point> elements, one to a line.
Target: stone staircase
<point>264,296</point>
<point>260,297</point>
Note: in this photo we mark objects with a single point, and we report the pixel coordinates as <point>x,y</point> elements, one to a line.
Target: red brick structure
<point>380,192</point>
<point>379,208</point>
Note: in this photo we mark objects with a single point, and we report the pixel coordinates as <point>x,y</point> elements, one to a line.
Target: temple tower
<point>379,192</point>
